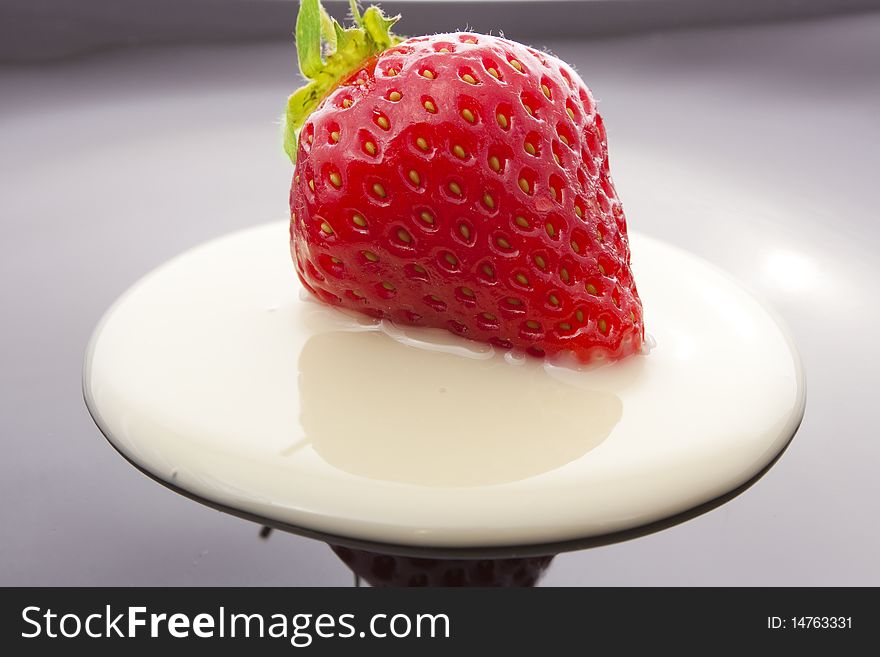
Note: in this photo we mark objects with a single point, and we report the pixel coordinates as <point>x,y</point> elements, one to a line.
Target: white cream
<point>214,373</point>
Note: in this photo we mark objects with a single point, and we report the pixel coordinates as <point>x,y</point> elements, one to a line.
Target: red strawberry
<point>386,570</point>
<point>459,181</point>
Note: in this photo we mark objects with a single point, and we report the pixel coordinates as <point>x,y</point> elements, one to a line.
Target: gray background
<point>767,138</point>
<point>38,30</point>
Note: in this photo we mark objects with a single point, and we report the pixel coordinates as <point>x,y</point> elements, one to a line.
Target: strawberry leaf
<point>327,29</point>
<point>328,52</point>
<point>355,13</point>
<point>308,38</point>
<point>378,26</point>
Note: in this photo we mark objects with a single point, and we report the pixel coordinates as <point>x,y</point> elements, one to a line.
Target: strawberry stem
<point>329,52</point>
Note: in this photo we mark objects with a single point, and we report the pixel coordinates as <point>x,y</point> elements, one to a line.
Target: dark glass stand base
<point>378,569</point>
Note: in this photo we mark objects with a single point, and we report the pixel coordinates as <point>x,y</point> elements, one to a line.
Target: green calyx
<point>328,52</point>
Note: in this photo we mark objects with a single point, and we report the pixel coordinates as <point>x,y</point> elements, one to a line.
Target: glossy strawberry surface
<point>461,181</point>
<point>383,570</point>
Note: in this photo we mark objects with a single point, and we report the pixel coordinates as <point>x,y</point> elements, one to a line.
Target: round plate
<point>217,376</point>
